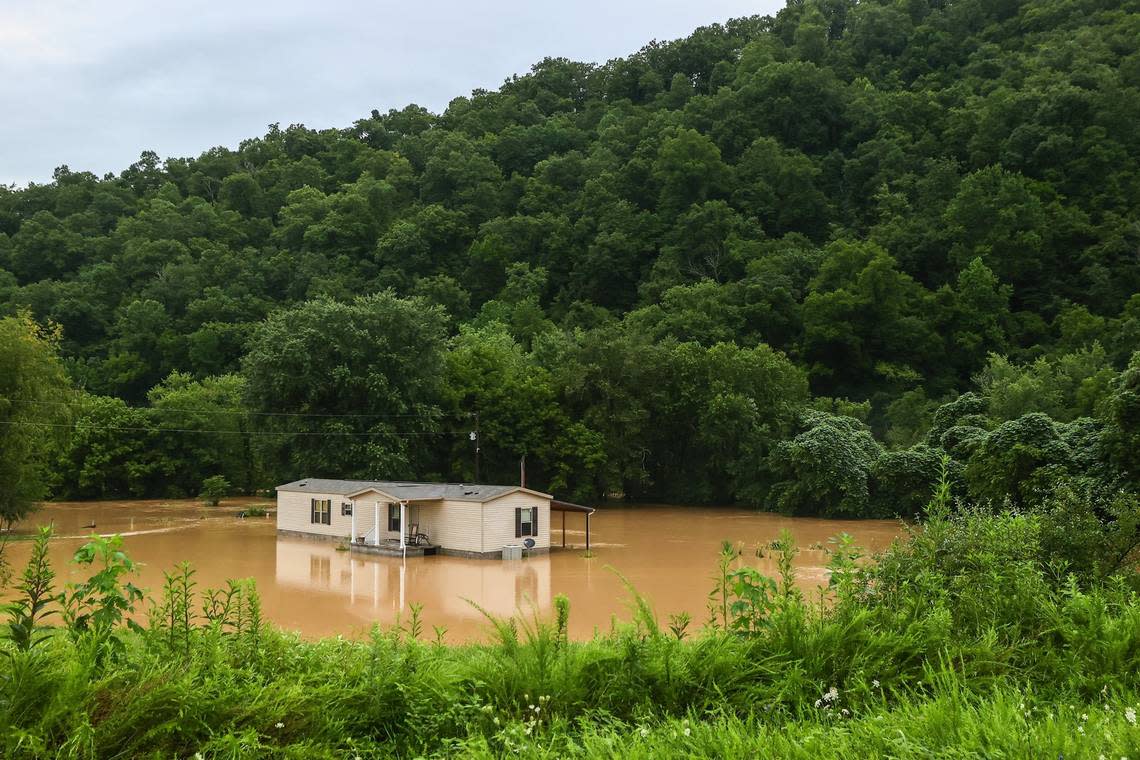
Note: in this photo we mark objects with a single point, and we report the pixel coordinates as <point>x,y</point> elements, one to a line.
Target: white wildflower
<point>644,732</point>
<point>1130,715</point>
<point>687,731</point>
<point>875,683</point>
<point>279,724</point>
<point>1080,729</point>
<point>1084,716</point>
<point>845,712</point>
<point>818,702</point>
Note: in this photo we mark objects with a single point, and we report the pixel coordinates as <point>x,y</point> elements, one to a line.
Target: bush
<point>214,488</point>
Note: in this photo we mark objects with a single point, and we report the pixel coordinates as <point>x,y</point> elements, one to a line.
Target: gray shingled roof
<point>400,489</point>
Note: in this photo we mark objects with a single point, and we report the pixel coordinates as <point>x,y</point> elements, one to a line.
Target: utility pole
<point>477,442</point>
<point>522,470</point>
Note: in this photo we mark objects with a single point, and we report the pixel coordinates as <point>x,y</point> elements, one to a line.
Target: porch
<point>391,528</point>
<point>392,548</point>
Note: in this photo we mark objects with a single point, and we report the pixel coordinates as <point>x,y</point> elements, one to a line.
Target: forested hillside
<point>788,261</point>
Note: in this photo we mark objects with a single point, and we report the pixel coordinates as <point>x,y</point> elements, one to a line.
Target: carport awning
<point>565,506</point>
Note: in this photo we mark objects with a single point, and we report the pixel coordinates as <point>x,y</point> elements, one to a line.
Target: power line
<point>241,411</point>
<point>130,429</point>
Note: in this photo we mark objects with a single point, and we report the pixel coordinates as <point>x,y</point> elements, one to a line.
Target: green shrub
<point>214,488</point>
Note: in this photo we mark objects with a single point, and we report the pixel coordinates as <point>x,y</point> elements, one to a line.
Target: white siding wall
<point>499,523</point>
<point>365,508</point>
<point>455,525</point>
<point>294,511</point>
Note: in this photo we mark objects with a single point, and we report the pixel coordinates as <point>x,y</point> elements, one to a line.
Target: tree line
<point>787,261</point>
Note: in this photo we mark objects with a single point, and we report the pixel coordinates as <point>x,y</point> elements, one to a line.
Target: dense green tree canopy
<point>345,386</point>
<point>788,260</point>
<point>34,410</point>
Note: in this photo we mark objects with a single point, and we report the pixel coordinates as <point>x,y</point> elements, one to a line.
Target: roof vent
<point>303,484</point>
<point>469,493</point>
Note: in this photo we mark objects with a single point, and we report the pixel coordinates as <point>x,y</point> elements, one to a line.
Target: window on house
<point>346,509</point>
<point>321,511</point>
<point>394,517</point>
<point>526,521</point>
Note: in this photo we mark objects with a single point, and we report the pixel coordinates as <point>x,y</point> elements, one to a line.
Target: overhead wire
<point>248,412</point>
<point>143,429</point>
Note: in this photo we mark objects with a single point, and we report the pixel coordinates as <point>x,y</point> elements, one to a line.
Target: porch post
<point>403,524</point>
<point>563,529</point>
<point>376,524</point>
<point>587,532</point>
<point>352,536</point>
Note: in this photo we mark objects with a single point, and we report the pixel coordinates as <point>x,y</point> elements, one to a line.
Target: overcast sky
<point>93,84</point>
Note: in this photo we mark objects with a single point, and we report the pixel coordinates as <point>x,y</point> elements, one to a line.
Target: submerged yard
<point>666,553</point>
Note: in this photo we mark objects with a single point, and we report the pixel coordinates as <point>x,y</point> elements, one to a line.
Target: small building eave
<point>390,497</point>
<point>516,489</point>
<point>566,506</point>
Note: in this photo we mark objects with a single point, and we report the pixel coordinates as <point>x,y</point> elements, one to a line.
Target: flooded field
<point>668,553</point>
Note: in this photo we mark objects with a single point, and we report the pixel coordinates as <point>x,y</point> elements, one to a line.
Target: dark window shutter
<point>534,521</point>
<point>312,510</point>
<point>394,517</point>
<point>518,522</point>
<point>328,511</point>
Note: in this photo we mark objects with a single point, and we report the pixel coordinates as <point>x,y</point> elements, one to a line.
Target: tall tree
<point>34,398</point>
<point>347,389</point>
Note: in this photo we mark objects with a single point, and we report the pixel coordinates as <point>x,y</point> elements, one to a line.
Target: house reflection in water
<point>377,588</point>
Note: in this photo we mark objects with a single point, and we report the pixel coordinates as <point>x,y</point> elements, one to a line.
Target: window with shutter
<point>525,521</point>
<point>320,511</point>
<point>394,517</point>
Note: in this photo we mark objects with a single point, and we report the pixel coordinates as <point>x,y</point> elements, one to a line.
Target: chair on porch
<point>415,538</point>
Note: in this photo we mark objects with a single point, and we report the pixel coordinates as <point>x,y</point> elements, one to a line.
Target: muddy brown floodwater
<point>668,553</point>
